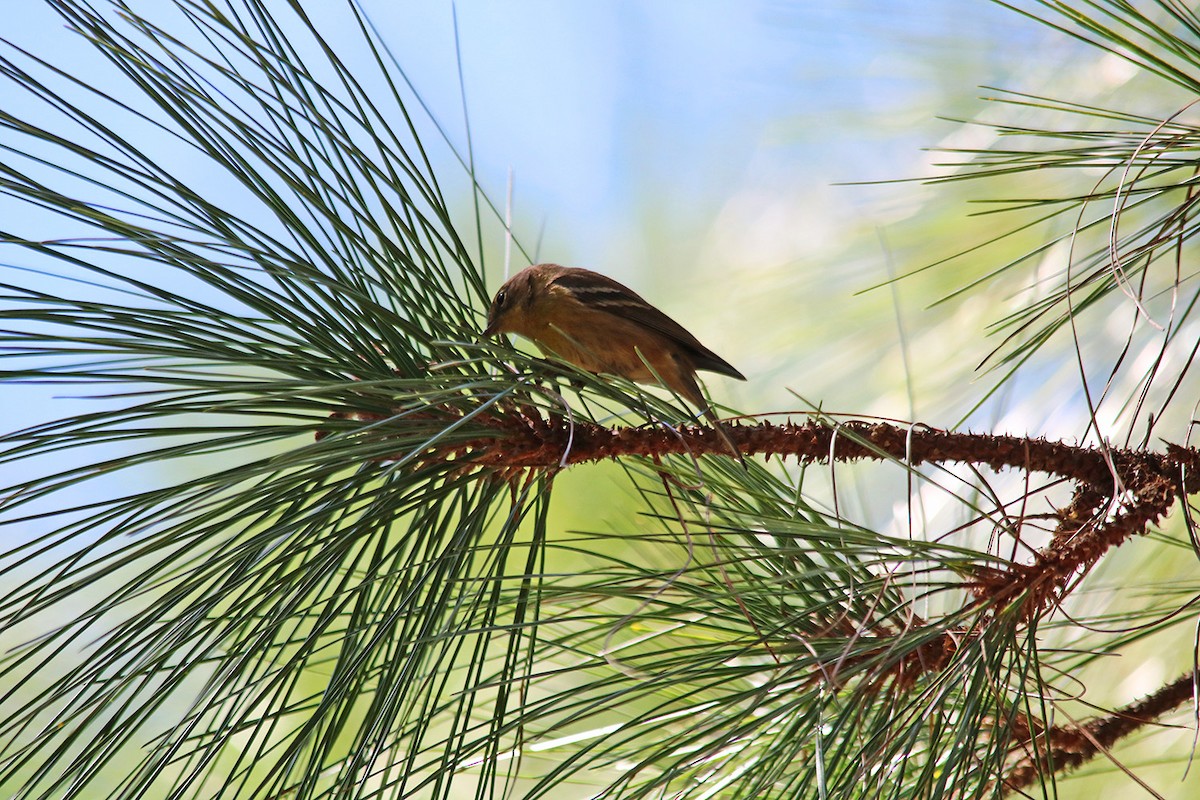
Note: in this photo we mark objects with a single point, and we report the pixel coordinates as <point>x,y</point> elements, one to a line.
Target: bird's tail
<point>723,432</point>
<point>685,383</point>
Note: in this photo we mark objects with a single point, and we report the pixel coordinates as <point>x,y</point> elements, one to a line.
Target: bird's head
<point>517,300</point>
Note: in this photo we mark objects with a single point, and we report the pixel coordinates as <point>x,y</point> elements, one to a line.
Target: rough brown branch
<point>1118,492</point>
<point>1063,748</point>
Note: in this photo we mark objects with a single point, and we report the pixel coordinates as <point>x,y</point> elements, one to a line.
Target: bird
<point>602,326</point>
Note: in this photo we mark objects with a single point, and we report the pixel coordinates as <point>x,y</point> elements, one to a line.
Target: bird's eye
<point>501,298</point>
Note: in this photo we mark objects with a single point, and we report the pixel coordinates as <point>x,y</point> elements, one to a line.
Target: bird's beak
<point>490,330</point>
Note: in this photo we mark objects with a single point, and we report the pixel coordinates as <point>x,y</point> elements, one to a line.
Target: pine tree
<point>299,546</point>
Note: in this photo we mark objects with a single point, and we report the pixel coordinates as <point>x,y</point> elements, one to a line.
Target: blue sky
<point>651,140</point>
<point>609,113</point>
<point>601,108</point>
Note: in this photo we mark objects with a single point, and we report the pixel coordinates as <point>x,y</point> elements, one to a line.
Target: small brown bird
<point>600,325</point>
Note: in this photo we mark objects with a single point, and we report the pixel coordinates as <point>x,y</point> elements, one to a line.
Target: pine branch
<point>1119,493</point>
<point>1061,749</point>
<point>345,580</point>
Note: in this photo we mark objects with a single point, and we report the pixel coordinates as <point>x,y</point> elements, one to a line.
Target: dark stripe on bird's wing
<point>604,294</point>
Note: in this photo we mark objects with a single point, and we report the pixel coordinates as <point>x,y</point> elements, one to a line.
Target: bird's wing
<point>604,294</point>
